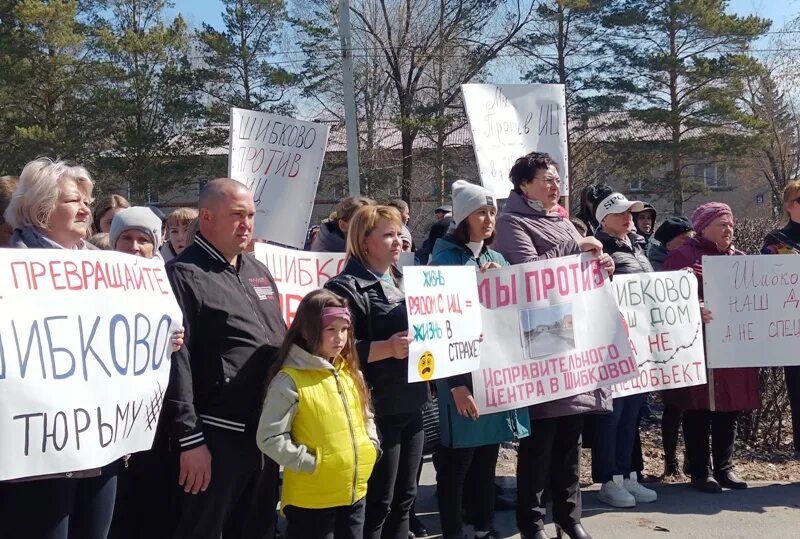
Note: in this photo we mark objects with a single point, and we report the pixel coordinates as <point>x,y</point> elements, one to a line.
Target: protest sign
<point>551,329</point>
<point>280,160</point>
<point>755,301</point>
<point>444,320</point>
<point>662,313</point>
<point>85,347</point>
<point>510,120</point>
<point>297,273</point>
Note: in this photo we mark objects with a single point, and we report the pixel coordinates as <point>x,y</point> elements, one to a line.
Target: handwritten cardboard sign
<point>755,301</point>
<point>551,329</point>
<point>444,320</point>
<point>85,347</point>
<point>662,313</point>
<point>280,160</point>
<point>510,120</point>
<point>297,273</point>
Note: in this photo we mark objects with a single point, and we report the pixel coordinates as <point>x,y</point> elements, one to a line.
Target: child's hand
<point>489,265</point>
<point>399,342</point>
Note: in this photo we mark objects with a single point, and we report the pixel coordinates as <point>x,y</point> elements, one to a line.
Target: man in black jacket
<point>233,326</point>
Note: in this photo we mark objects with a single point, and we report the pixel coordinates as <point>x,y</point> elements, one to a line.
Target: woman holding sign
<point>373,287</point>
<point>470,442</point>
<point>712,408</point>
<point>615,433</point>
<point>786,240</point>
<point>531,228</point>
<point>51,210</point>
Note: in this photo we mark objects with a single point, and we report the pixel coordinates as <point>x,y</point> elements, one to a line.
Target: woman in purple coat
<point>712,408</point>
<point>529,228</point>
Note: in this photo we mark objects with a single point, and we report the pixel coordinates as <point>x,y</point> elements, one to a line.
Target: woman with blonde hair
<point>332,236</point>
<point>373,288</point>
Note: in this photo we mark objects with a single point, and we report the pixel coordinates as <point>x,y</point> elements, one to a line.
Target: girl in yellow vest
<point>317,423</point>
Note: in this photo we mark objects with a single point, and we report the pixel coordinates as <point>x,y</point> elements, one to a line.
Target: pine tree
<point>682,65</point>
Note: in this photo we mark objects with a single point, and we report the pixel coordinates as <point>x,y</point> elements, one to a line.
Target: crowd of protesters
<point>328,398</point>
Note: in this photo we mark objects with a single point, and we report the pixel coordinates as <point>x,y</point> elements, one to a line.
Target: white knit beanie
<point>139,218</point>
<point>468,197</point>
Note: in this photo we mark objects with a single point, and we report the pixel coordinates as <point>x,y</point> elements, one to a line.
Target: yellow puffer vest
<point>330,422</point>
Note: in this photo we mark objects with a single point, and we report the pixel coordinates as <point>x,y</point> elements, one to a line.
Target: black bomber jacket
<point>233,328</point>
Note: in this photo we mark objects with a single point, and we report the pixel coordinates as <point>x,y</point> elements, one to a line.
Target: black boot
<point>575,531</point>
<point>540,534</point>
<point>415,525</point>
<point>729,479</point>
<point>706,484</point>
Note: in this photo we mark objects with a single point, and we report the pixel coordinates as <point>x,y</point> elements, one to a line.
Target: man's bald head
<point>219,190</point>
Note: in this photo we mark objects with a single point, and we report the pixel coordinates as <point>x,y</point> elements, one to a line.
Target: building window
<point>713,175</point>
<point>637,185</point>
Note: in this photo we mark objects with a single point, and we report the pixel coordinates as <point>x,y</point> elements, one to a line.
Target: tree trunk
<point>407,142</point>
<point>675,116</point>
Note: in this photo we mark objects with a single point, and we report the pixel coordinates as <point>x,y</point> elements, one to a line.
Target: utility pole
<point>350,119</point>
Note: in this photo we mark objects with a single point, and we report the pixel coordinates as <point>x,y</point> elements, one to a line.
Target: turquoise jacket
<point>456,430</point>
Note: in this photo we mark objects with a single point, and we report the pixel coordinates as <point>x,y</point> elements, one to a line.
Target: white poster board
<point>508,121</point>
<point>551,329</point>
<point>85,347</point>
<point>662,313</point>
<point>297,273</point>
<point>444,321</point>
<point>755,301</point>
<point>280,160</point>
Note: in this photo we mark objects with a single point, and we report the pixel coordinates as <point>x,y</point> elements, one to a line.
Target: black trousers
<point>792,375</point>
<point>393,485</point>
<point>670,431</point>
<point>549,458</point>
<point>145,505</point>
<point>469,469</point>
<point>697,424</point>
<point>59,508</point>
<point>345,522</point>
<point>242,497</point>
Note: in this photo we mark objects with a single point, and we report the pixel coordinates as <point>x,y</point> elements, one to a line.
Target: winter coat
<point>313,423</point>
<point>378,311</point>
<point>656,254</point>
<point>457,430</point>
<point>627,258</point>
<point>330,239</point>
<point>727,390</point>
<point>525,234</point>
<point>782,241</point>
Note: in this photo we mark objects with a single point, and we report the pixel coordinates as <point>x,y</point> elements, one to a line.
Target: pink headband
<point>329,314</point>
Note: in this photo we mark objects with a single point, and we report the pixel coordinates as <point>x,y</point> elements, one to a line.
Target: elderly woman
<point>51,210</point>
<point>136,231</point>
<point>531,227</point>
<point>786,240</point>
<point>373,288</point>
<point>712,408</point>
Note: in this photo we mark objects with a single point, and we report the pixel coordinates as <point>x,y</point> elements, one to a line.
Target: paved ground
<point>764,510</point>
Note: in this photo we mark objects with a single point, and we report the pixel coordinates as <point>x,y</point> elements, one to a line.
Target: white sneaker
<point>639,493</point>
<point>614,493</point>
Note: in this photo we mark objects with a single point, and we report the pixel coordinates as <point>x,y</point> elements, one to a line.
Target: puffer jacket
<point>456,430</point>
<point>378,311</point>
<point>330,239</point>
<point>627,258</point>
<point>727,390</point>
<point>525,234</point>
<point>656,254</point>
<point>314,424</point>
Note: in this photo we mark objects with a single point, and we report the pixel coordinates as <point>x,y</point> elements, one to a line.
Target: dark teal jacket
<point>456,430</point>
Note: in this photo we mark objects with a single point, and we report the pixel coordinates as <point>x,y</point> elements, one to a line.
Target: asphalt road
<point>763,510</point>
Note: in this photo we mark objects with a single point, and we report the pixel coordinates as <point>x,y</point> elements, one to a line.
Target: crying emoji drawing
<point>425,366</point>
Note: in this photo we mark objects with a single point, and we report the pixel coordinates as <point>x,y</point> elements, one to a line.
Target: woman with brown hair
<point>105,209</point>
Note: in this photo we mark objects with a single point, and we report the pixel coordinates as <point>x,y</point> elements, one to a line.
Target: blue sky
<point>780,11</point>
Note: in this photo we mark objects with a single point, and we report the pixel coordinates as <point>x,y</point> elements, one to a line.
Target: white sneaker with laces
<point>639,493</point>
<point>614,493</point>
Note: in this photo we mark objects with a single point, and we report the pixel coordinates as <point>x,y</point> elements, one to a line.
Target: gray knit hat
<point>139,218</point>
<point>468,197</point>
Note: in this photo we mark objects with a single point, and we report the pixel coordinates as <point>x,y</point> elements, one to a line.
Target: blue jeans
<point>614,435</point>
